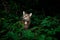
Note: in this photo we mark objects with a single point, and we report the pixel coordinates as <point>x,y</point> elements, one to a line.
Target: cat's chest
<point>26,22</point>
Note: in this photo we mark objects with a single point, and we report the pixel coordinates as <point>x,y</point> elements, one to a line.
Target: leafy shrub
<point>42,28</point>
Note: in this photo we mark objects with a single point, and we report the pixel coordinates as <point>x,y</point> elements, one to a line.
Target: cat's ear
<point>23,12</point>
<point>30,14</point>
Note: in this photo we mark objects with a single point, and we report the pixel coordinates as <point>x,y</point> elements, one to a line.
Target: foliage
<point>41,27</point>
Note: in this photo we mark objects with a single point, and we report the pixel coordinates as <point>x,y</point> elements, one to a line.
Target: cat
<point>26,19</point>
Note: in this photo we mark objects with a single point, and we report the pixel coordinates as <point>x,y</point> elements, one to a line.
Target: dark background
<point>49,7</point>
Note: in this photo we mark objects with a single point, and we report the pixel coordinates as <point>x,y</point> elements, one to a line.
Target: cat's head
<point>26,16</point>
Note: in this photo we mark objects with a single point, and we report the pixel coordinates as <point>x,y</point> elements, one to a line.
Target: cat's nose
<point>25,16</point>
